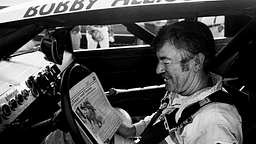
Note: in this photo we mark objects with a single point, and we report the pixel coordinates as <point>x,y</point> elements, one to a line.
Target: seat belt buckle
<point>166,125</point>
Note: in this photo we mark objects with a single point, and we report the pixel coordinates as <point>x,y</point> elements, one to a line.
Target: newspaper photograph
<point>91,106</point>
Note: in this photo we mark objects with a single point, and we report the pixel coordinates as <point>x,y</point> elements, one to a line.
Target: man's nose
<point>159,68</point>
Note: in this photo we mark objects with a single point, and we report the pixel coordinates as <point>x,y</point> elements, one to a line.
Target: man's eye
<point>166,61</point>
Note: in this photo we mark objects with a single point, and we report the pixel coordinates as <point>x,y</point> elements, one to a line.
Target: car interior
<point>41,99</point>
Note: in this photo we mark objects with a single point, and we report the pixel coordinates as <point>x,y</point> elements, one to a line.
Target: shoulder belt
<point>158,131</point>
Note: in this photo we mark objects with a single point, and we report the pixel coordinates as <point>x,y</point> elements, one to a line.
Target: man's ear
<point>199,60</point>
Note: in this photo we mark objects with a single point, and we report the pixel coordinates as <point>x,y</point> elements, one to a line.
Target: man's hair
<point>192,37</point>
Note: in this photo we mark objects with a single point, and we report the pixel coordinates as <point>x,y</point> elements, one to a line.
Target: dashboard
<point>29,91</point>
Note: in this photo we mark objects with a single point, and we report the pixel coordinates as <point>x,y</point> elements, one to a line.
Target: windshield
<point>91,37</point>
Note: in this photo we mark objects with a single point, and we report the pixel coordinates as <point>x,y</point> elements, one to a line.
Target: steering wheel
<point>71,76</point>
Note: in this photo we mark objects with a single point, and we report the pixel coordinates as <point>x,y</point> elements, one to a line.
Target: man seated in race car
<point>184,51</point>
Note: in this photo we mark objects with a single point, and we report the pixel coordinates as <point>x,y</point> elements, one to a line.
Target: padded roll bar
<point>15,40</point>
<point>244,36</point>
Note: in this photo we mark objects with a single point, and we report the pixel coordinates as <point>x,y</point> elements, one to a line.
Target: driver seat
<point>248,78</point>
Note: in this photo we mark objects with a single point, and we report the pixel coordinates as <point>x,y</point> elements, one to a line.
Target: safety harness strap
<point>158,131</point>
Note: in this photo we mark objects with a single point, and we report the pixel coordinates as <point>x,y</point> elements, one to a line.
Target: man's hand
<point>126,131</point>
<point>111,39</point>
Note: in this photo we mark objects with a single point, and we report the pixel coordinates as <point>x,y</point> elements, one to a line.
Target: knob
<point>30,82</point>
<point>42,81</point>
<point>35,92</point>
<point>25,94</point>
<point>5,110</point>
<point>55,70</point>
<point>13,104</point>
<point>19,98</point>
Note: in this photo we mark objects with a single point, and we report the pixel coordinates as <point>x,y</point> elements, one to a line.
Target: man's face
<point>175,68</point>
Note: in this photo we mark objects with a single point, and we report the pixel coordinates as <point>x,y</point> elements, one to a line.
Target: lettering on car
<point>81,5</point>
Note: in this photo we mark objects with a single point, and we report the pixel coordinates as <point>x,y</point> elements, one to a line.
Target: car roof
<point>32,17</point>
<point>59,13</point>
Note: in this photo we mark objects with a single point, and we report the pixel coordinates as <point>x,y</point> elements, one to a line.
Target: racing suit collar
<point>181,102</point>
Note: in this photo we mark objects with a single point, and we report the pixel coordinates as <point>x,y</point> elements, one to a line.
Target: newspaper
<point>91,106</point>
